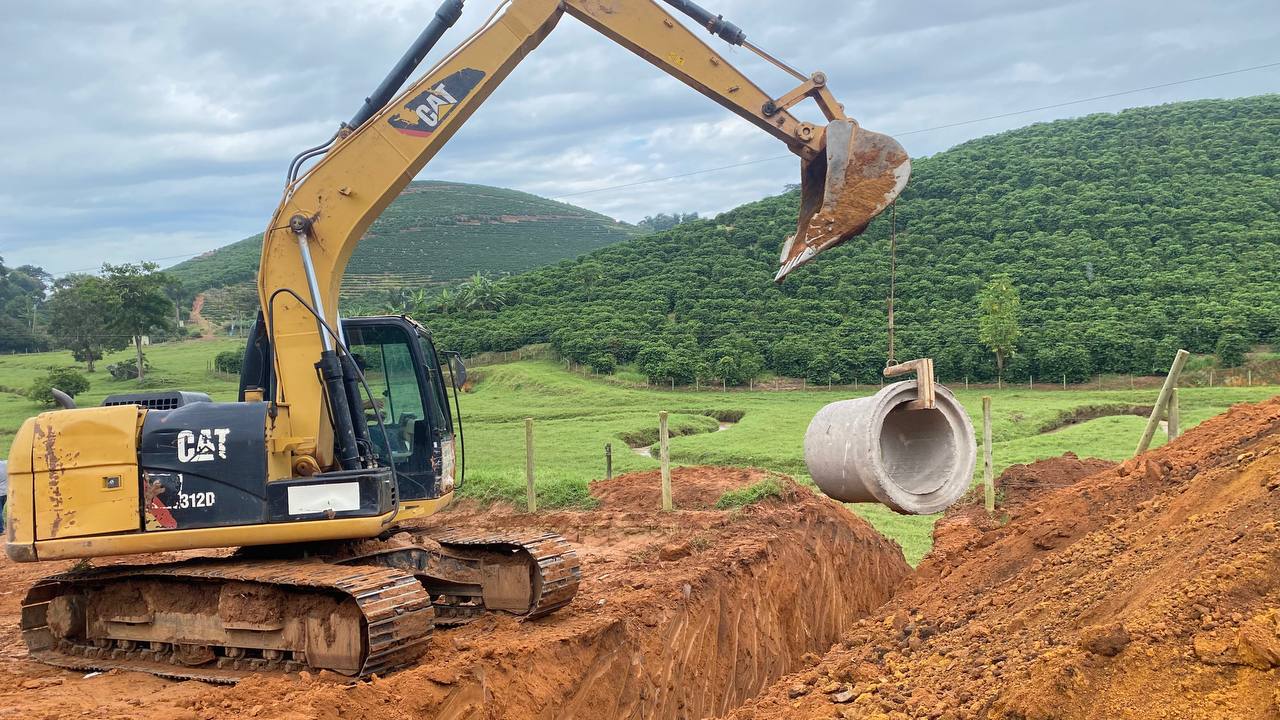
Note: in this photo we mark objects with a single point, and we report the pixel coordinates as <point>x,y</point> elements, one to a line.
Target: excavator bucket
<point>843,190</point>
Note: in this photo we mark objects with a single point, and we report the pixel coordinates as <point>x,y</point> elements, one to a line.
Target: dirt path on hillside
<point>684,614</point>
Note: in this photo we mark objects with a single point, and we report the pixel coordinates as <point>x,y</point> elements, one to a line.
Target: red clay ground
<point>684,614</point>
<point>1148,590</point>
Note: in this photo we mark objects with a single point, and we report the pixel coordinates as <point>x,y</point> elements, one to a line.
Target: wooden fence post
<point>988,471</point>
<point>531,497</point>
<point>1171,416</point>
<point>1170,382</point>
<point>608,461</point>
<point>664,455</point>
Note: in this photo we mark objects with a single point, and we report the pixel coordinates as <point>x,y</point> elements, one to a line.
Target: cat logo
<point>209,444</point>
<point>425,111</point>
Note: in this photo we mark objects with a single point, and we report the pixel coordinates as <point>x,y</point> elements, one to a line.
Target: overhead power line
<point>157,259</point>
<point>1091,99</point>
<point>757,161</point>
<point>960,123</point>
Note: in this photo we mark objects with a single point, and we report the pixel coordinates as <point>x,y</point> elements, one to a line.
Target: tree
<point>998,324</point>
<point>144,305</point>
<point>80,314</point>
<point>1126,267</point>
<point>589,273</point>
<point>734,359</point>
<point>22,291</point>
<point>790,356</point>
<point>416,302</point>
<point>663,221</point>
<point>446,301</point>
<point>480,292</point>
<point>652,360</point>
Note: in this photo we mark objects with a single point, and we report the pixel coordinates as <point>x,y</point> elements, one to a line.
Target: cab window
<point>385,356</point>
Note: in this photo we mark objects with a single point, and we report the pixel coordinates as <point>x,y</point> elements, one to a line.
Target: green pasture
<point>180,365</point>
<point>575,416</point>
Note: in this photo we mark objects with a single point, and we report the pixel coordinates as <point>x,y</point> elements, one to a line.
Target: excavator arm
<point>848,176</point>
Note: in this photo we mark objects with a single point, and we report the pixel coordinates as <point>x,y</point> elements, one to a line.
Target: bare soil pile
<point>684,614</point>
<point>1150,590</point>
<point>967,525</point>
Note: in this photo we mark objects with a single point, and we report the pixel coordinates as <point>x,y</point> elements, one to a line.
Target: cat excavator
<point>343,434</point>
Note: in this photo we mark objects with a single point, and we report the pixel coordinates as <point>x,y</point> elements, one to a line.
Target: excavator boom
<point>848,174</point>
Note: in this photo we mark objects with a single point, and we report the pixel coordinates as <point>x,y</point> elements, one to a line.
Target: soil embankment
<point>1147,590</point>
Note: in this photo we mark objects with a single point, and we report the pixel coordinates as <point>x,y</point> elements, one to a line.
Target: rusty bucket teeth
<point>843,190</point>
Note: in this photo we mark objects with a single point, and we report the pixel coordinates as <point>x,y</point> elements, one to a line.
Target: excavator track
<point>558,569</point>
<point>220,620</point>
<point>354,620</point>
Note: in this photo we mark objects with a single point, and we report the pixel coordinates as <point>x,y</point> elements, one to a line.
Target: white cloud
<point>140,130</point>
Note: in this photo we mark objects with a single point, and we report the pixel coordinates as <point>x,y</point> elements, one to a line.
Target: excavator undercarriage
<point>343,435</point>
<point>358,608</point>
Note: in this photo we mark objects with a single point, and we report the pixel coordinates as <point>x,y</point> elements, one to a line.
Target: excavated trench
<point>679,615</point>
<point>683,616</point>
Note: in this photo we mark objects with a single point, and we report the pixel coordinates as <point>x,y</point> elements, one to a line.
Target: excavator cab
<point>408,420</point>
<point>399,404</point>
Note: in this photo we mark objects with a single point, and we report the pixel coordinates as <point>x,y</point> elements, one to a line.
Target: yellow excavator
<point>343,434</point>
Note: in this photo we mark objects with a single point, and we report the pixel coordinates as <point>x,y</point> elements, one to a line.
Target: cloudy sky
<point>136,129</point>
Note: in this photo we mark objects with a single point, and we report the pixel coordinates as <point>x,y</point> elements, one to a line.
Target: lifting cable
<point>893,276</point>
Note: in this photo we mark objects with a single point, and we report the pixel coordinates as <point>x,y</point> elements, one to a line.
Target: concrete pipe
<point>874,449</point>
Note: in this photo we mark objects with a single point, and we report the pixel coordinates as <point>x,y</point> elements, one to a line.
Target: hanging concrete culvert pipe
<point>875,449</point>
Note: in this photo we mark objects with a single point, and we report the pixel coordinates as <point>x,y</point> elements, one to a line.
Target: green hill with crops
<point>435,233</point>
<point>1127,236</point>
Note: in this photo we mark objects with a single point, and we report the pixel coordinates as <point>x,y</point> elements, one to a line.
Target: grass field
<point>575,416</point>
<point>174,366</point>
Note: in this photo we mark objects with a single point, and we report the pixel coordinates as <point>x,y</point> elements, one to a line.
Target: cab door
<point>409,426</point>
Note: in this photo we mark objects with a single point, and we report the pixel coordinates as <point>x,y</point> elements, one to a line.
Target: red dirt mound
<point>1020,484</point>
<point>966,525</point>
<point>1151,590</point>
<point>679,615</point>
<point>692,488</point>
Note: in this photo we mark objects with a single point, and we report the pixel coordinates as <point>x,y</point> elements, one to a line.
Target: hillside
<point>436,233</point>
<point>1128,235</point>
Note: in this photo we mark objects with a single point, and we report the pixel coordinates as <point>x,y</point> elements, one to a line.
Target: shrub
<point>1231,349</point>
<point>1056,361</point>
<point>603,363</point>
<point>768,488</point>
<point>68,380</point>
<point>229,361</point>
<point>127,369</point>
